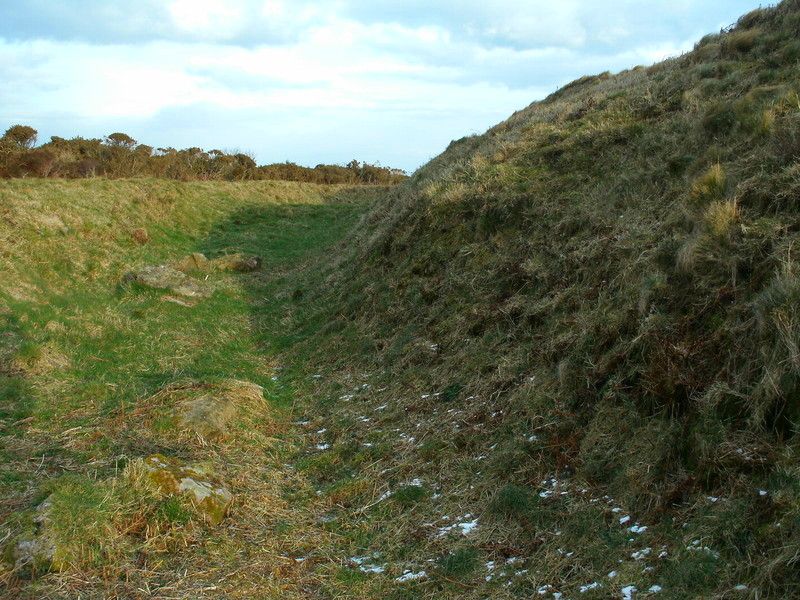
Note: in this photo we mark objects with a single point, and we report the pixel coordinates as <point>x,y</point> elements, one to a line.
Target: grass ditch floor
<point>92,369</point>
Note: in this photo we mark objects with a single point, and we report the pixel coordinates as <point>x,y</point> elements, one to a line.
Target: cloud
<point>238,22</point>
<point>317,81</point>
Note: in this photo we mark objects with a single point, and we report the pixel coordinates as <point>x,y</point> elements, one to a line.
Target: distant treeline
<point>119,155</point>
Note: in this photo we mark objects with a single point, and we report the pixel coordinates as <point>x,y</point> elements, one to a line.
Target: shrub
<point>21,135</point>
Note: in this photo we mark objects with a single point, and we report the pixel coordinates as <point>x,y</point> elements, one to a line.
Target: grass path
<point>91,367</point>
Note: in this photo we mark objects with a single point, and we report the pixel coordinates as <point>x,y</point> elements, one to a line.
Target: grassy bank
<point>570,342</point>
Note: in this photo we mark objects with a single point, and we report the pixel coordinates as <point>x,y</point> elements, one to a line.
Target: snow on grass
<point>463,527</point>
<point>367,564</point>
<point>628,591</point>
<point>408,575</point>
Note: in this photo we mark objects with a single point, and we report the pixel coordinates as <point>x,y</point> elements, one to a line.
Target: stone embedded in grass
<point>238,262</point>
<point>173,476</point>
<point>164,277</point>
<point>210,414</point>
<point>35,548</point>
<point>196,261</point>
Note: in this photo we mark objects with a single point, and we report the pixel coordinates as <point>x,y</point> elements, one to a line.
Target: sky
<point>328,81</point>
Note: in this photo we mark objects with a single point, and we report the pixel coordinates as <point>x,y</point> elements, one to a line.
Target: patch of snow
<point>638,528</point>
<point>372,569</point>
<point>591,586</point>
<point>408,575</point>
<point>641,554</point>
<point>628,591</point>
<point>655,589</point>
<point>762,492</point>
<point>624,520</point>
<point>612,574</point>
<point>323,446</point>
<point>465,527</point>
<point>544,589</point>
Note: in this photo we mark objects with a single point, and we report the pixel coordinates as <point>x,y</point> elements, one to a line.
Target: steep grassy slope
<point>600,291</point>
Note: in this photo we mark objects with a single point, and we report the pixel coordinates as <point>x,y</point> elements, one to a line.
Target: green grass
<point>86,354</point>
<point>567,347</point>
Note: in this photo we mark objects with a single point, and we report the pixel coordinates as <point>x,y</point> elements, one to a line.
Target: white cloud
<point>207,16</point>
<point>275,74</point>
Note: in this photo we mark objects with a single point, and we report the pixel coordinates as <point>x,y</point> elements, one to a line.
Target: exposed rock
<point>35,548</point>
<point>194,262</point>
<point>238,262</point>
<point>173,476</point>
<point>140,236</point>
<point>210,414</point>
<point>164,277</point>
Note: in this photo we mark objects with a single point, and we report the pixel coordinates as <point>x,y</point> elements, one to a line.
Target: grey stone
<point>164,277</point>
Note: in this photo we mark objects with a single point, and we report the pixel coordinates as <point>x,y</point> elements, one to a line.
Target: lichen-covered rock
<point>196,261</point>
<point>208,493</point>
<point>210,414</point>
<point>238,262</point>
<point>35,548</point>
<point>164,277</point>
